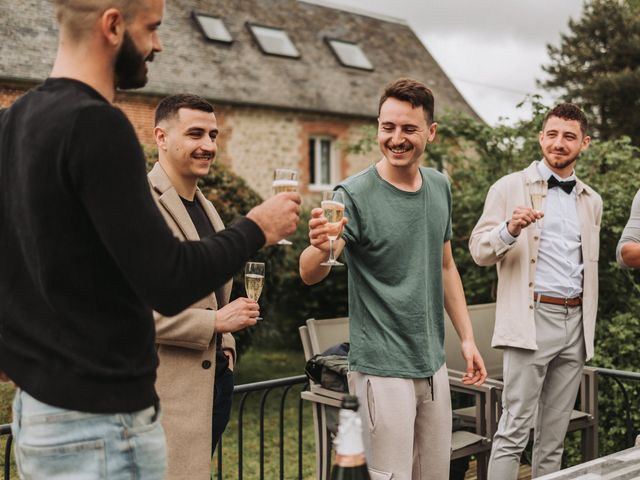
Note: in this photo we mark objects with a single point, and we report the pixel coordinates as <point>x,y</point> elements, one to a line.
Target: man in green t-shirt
<point>401,278</point>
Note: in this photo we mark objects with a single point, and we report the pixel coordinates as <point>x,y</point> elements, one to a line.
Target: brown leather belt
<point>565,302</point>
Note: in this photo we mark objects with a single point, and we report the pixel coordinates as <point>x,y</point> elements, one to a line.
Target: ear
<point>112,26</point>
<point>161,138</point>
<point>432,132</point>
<point>586,141</point>
<point>540,137</point>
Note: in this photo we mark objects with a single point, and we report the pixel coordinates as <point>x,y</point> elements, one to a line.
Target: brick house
<point>294,82</point>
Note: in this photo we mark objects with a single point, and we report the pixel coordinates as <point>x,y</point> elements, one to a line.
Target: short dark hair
<point>169,106</point>
<point>568,111</point>
<point>412,91</point>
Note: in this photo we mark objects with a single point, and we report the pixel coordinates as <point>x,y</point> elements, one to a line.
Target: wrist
<point>511,229</point>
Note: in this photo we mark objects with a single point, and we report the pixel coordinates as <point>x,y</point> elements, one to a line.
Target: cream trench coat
<point>186,346</point>
<point>516,263</point>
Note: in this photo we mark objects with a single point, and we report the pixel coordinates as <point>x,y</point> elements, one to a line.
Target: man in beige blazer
<point>195,347</point>
<point>541,227</point>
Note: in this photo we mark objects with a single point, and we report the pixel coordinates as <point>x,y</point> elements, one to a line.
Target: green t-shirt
<point>394,242</point>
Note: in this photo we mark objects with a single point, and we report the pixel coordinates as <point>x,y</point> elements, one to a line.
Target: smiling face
<point>561,142</point>
<point>187,143</point>
<point>403,133</point>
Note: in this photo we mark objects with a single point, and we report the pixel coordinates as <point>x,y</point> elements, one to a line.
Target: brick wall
<point>8,95</point>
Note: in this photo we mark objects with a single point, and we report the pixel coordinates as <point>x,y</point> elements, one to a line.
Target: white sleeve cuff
<point>506,236</point>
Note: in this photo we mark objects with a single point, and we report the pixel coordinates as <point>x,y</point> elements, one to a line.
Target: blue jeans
<point>57,444</point>
<point>222,402</point>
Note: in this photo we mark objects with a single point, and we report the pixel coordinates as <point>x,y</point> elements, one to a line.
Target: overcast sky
<point>492,50</point>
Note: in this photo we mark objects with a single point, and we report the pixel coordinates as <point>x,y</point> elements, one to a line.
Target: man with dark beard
<point>86,255</point>
<point>541,227</point>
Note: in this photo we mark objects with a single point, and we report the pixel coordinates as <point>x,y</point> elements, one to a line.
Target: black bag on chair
<point>330,368</point>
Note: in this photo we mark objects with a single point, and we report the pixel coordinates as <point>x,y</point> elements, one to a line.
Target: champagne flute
<point>333,210</point>
<point>254,280</point>
<point>285,180</point>
<point>538,191</point>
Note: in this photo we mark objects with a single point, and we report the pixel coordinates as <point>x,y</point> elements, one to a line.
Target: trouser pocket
<point>85,460</point>
<point>380,475</point>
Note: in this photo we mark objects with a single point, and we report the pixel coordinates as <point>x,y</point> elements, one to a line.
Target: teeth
<point>399,149</point>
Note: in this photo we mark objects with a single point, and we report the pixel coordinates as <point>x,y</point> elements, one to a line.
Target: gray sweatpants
<point>406,430</point>
<point>540,388</point>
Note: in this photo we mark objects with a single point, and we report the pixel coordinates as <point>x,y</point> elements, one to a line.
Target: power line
<point>512,91</point>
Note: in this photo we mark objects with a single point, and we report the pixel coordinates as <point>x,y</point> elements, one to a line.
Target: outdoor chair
<point>584,419</point>
<point>317,336</point>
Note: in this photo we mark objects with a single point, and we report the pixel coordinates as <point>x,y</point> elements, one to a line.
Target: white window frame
<point>333,163</point>
<point>335,44</point>
<point>223,37</point>
<point>258,31</point>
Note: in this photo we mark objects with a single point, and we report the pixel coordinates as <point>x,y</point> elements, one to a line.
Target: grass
<point>256,365</point>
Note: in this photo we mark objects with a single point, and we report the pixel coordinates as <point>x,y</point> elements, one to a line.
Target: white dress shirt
<point>560,267</point>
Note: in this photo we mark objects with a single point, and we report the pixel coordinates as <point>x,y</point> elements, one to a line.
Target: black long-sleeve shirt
<point>85,254</point>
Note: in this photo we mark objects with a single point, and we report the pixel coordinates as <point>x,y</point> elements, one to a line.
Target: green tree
<point>598,66</point>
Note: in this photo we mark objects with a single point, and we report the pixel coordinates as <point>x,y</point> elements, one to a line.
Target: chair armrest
<point>321,399</point>
<point>486,398</point>
<point>455,380</point>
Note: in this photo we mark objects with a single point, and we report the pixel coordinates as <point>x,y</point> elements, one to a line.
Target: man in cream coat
<point>195,347</point>
<point>547,261</point>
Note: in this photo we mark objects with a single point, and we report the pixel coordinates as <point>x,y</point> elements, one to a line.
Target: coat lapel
<point>170,200</point>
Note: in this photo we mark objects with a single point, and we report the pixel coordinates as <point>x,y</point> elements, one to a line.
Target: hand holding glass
<point>284,180</point>
<point>254,280</point>
<point>333,210</point>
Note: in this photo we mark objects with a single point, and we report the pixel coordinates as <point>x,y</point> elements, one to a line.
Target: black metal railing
<point>618,376</point>
<point>286,384</point>
<point>266,387</point>
<point>5,430</point>
<point>243,391</point>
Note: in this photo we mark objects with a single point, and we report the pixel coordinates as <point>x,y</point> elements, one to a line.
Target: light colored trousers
<point>406,429</point>
<point>540,388</point>
<point>57,444</point>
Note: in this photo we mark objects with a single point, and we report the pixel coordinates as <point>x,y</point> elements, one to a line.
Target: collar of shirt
<point>560,267</point>
<point>546,172</point>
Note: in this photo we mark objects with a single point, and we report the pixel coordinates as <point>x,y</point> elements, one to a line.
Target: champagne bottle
<point>350,463</point>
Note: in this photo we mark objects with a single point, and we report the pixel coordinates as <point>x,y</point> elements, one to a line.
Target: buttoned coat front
<point>186,346</point>
<point>516,263</point>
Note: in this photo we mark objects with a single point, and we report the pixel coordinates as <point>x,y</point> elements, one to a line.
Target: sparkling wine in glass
<point>537,191</point>
<point>333,210</point>
<point>254,280</point>
<point>285,180</point>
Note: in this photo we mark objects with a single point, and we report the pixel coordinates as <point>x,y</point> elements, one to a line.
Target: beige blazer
<point>516,263</point>
<point>186,348</point>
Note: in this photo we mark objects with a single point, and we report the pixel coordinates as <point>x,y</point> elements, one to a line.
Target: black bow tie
<point>566,186</point>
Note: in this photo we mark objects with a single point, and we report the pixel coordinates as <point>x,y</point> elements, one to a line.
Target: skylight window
<point>213,28</point>
<point>274,41</point>
<point>349,54</point>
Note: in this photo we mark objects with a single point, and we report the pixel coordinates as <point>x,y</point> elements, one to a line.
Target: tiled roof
<point>239,72</point>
